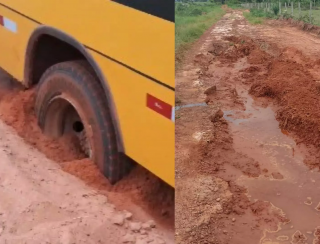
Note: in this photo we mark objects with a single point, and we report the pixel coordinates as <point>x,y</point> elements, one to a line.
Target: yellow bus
<point>102,70</point>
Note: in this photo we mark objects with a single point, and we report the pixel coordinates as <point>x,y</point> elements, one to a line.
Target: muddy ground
<point>50,193</point>
<point>247,136</point>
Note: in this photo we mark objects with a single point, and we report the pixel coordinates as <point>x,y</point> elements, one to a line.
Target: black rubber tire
<point>75,79</point>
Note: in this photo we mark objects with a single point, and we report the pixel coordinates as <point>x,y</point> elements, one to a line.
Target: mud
<point>264,147</point>
<point>141,193</point>
<point>42,204</point>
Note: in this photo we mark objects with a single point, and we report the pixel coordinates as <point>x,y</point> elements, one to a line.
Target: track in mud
<point>247,163</point>
<point>141,193</point>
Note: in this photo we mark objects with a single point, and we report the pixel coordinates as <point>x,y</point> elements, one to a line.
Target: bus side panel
<point>148,136</point>
<point>137,39</point>
<point>14,38</point>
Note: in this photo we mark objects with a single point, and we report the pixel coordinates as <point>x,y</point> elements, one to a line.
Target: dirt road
<point>247,136</point>
<point>49,193</point>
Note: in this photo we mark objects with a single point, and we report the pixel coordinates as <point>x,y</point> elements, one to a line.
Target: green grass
<point>254,20</point>
<point>304,14</point>
<point>191,21</point>
<point>235,5</point>
<point>258,16</point>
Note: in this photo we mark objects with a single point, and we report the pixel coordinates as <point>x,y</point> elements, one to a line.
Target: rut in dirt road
<point>47,196</point>
<point>42,204</point>
<point>249,156</point>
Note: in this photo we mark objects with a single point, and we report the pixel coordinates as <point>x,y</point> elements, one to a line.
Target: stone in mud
<point>150,240</point>
<point>211,90</point>
<point>202,59</point>
<point>145,226</point>
<point>234,92</point>
<point>317,232</point>
<point>127,215</point>
<point>143,232</point>
<point>308,201</point>
<point>217,208</point>
<point>318,207</point>
<point>135,226</point>
<point>160,241</point>
<point>218,48</point>
<point>217,115</point>
<point>283,238</point>
<point>318,86</point>
<point>129,238</point>
<point>298,237</point>
<point>207,100</point>
<point>197,83</point>
<point>151,223</point>
<point>118,219</point>
<point>164,212</point>
<point>277,176</point>
<point>197,70</point>
<point>200,55</point>
<point>141,241</point>
<point>148,225</point>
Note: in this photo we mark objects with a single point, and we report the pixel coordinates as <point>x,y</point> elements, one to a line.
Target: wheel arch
<point>66,38</point>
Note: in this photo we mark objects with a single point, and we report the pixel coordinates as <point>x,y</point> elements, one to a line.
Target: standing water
<point>287,183</point>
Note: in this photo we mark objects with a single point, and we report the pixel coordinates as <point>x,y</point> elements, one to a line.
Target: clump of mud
<point>218,150</point>
<point>216,116</point>
<point>17,110</point>
<point>203,59</point>
<point>240,47</point>
<point>211,90</point>
<point>297,93</point>
<point>251,69</point>
<point>218,48</point>
<point>317,235</point>
<point>277,176</point>
<point>261,90</point>
<point>298,238</point>
<point>143,188</point>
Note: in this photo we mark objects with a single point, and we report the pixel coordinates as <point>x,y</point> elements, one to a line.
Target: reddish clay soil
<point>141,193</point>
<point>247,149</point>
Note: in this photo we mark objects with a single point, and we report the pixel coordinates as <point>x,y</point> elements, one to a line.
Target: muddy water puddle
<point>286,181</point>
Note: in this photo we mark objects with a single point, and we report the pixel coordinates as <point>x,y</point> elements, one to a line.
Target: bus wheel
<point>70,100</point>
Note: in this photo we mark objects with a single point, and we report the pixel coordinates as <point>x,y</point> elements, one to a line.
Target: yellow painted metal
<point>139,40</point>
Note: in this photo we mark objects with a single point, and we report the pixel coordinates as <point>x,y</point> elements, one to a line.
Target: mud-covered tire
<point>74,79</point>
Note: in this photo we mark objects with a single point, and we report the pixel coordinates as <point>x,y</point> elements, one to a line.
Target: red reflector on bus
<point>1,21</point>
<point>159,106</point>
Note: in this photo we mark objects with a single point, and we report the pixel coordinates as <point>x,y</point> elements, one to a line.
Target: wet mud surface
<point>247,163</point>
<point>141,193</point>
